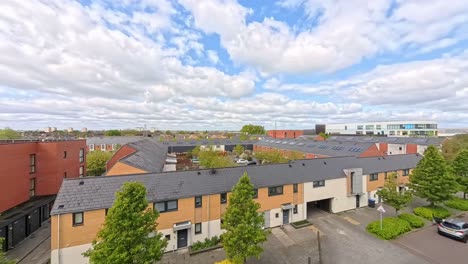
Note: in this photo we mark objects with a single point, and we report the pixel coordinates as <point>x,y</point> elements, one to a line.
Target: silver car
<point>454,228</point>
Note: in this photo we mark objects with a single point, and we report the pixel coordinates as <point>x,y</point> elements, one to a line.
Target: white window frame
<point>91,147</point>
<point>103,147</point>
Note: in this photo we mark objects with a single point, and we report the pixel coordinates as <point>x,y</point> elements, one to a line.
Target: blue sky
<point>217,64</point>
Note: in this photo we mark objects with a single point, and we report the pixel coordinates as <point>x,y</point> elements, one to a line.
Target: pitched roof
<point>327,148</point>
<point>120,140</point>
<point>92,193</point>
<point>149,156</point>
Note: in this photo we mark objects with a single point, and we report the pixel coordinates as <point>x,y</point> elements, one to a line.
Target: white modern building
<point>395,128</point>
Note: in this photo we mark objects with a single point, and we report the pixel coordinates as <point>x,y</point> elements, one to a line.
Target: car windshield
<point>450,225</point>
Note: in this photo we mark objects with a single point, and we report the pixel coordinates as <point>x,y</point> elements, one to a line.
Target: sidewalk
<point>34,249</point>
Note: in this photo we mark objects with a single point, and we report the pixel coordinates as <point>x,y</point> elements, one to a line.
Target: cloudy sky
<point>219,64</point>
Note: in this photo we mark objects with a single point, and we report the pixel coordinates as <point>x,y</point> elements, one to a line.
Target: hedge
<point>414,221</point>
<point>431,210</point>
<point>458,203</point>
<point>392,227</point>
<point>206,243</point>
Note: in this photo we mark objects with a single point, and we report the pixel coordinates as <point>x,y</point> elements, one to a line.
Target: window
<point>318,184</point>
<point>406,172</point>
<point>103,147</point>
<point>295,209</point>
<point>114,146</point>
<point>255,193</point>
<point>198,201</point>
<point>224,198</point>
<point>168,237</point>
<point>276,215</point>
<point>64,174</point>
<point>360,127</point>
<point>166,206</point>
<point>64,154</point>
<point>386,175</point>
<point>373,177</point>
<point>91,147</point>
<point>78,218</point>
<point>198,229</point>
<point>378,127</point>
<point>369,127</point>
<point>106,211</point>
<point>81,171</point>
<point>400,148</point>
<point>277,190</point>
<point>81,155</point>
<point>295,188</point>
<point>32,163</point>
<point>32,187</point>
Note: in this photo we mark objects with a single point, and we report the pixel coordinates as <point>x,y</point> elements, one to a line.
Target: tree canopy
<point>253,129</point>
<point>8,133</point>
<point>113,132</point>
<point>432,178</point>
<point>273,156</point>
<point>3,259</point>
<point>392,196</point>
<point>460,168</point>
<point>214,159</point>
<point>453,145</point>
<point>129,232</point>
<point>243,223</point>
<point>239,149</point>
<point>96,162</point>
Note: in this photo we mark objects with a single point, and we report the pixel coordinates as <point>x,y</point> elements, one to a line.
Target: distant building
<point>31,173</point>
<point>391,129</point>
<point>70,129</point>
<point>84,129</point>
<point>285,133</point>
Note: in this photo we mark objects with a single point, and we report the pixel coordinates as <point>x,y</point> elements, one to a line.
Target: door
<point>285,217</point>
<point>182,236</point>
<point>358,200</point>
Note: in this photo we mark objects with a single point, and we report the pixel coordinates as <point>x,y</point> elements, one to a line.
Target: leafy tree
<point>253,129</point>
<point>453,145</point>
<point>113,132</point>
<point>460,168</point>
<point>273,156</point>
<point>324,136</point>
<point>243,137</point>
<point>432,178</point>
<point>243,223</point>
<point>214,159</point>
<point>3,259</point>
<point>239,149</point>
<point>130,132</point>
<point>196,151</point>
<point>392,196</point>
<point>96,162</point>
<point>9,133</point>
<point>129,233</point>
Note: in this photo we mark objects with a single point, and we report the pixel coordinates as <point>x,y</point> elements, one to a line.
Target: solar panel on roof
<point>300,144</point>
<point>311,146</point>
<point>292,143</point>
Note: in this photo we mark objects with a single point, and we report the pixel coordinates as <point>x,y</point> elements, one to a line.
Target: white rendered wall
<point>70,255</point>
<point>394,149</point>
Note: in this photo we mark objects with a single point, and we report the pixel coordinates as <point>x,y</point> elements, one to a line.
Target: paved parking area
<point>434,247</point>
<point>344,241</point>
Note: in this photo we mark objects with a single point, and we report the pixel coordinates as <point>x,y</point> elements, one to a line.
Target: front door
<point>182,236</point>
<point>285,217</point>
<point>358,200</point>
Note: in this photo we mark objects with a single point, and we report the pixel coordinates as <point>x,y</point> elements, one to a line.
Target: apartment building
<point>391,129</point>
<point>111,143</point>
<point>31,173</point>
<point>192,203</point>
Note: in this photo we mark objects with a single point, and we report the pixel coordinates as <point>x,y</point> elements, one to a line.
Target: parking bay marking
<point>352,221</point>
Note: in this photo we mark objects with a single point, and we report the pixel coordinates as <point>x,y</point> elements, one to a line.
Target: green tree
<point>129,233</point>
<point>3,259</point>
<point>9,133</point>
<point>239,149</point>
<point>432,179</point>
<point>273,156</point>
<point>243,137</point>
<point>325,136</point>
<point>130,132</point>
<point>460,168</point>
<point>453,145</point>
<point>195,151</point>
<point>214,159</point>
<point>113,133</point>
<point>253,129</point>
<point>392,196</point>
<point>96,162</point>
<point>243,223</point>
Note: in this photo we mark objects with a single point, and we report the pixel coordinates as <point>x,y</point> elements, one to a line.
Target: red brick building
<point>285,133</point>
<point>31,173</point>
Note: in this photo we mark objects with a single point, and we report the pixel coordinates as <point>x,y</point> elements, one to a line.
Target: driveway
<point>434,247</point>
<point>344,240</point>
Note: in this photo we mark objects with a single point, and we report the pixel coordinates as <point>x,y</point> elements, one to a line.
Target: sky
<point>220,64</point>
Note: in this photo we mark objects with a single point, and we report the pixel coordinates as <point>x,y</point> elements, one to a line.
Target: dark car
<point>252,162</point>
<point>454,228</point>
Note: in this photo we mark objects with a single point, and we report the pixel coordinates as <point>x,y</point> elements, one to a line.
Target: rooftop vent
<point>81,183</point>
<point>290,165</point>
<point>213,171</point>
<point>303,164</point>
<point>61,206</point>
<point>199,173</point>
<point>325,162</point>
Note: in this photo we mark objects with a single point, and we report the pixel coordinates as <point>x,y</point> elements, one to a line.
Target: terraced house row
<point>192,203</point>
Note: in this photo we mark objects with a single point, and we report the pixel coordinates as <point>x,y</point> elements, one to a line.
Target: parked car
<point>252,162</point>
<point>242,161</point>
<point>454,228</point>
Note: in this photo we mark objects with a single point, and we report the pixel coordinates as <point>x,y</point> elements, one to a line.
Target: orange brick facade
<point>54,161</point>
<point>285,133</point>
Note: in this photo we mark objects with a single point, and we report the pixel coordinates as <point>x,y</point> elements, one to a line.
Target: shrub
<point>206,243</point>
<point>392,227</point>
<point>226,261</point>
<point>413,220</point>
<point>458,203</point>
<point>431,210</point>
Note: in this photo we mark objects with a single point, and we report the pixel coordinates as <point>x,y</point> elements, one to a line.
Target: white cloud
<point>212,56</point>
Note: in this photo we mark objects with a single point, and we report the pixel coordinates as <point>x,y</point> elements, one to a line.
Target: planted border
<point>431,211</point>
<point>458,203</point>
<point>392,227</point>
<point>301,224</point>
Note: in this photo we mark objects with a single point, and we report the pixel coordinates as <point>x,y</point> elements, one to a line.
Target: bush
<point>431,210</point>
<point>226,261</point>
<point>413,220</point>
<point>214,241</point>
<point>458,203</point>
<point>392,227</point>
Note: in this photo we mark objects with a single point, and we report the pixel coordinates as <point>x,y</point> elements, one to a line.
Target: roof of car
<point>455,222</point>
